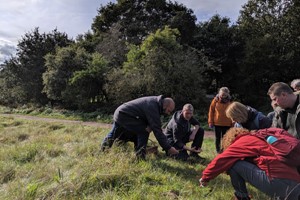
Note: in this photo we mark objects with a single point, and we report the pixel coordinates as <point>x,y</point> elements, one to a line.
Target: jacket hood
<point>251,113</point>
<point>177,116</point>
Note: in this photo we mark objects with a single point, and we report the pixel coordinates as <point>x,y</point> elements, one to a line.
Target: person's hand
<point>196,150</point>
<point>173,151</point>
<point>211,126</point>
<point>202,183</point>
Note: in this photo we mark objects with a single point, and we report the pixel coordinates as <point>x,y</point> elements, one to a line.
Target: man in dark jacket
<point>288,117</point>
<point>134,120</point>
<point>179,132</point>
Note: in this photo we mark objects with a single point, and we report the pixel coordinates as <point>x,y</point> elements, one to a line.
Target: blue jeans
<point>243,171</point>
<point>121,134</point>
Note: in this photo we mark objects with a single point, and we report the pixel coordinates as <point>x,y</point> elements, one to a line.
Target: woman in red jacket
<point>247,158</point>
<point>217,118</point>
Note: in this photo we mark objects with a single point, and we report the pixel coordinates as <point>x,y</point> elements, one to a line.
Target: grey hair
<point>295,83</point>
<point>188,107</point>
<point>224,89</point>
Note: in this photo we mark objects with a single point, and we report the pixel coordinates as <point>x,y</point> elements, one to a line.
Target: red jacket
<point>249,146</point>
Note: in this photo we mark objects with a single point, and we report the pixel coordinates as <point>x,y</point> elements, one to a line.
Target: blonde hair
<point>230,135</point>
<point>237,112</point>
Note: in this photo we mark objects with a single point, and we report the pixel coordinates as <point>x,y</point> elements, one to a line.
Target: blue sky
<point>75,17</point>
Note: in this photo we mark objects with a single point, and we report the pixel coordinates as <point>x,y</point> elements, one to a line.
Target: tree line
<point>142,47</point>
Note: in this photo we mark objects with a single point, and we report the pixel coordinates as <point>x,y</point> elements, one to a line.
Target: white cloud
<point>7,50</point>
<point>71,16</point>
<point>205,9</point>
<point>74,17</point>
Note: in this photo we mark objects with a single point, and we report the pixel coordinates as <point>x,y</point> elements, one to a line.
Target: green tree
<point>219,41</point>
<point>60,68</point>
<point>161,65</point>
<point>269,29</point>
<point>75,78</point>
<point>27,67</point>
<point>112,47</point>
<point>139,18</point>
<point>90,82</point>
<point>11,94</point>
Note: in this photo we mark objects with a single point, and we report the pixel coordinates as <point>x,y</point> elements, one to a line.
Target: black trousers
<point>219,133</point>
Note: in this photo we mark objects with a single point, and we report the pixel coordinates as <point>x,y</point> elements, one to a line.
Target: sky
<point>74,17</point>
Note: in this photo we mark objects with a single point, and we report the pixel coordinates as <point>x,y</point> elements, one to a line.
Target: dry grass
<point>46,160</point>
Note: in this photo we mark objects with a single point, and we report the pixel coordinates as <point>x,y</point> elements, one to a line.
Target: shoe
<point>219,152</point>
<point>195,155</point>
<point>241,198</point>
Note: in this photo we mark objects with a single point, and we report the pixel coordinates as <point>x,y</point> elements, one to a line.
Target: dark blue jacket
<point>256,120</point>
<point>138,114</point>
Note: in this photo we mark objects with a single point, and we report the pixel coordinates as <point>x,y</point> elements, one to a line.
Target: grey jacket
<point>289,119</point>
<point>138,114</point>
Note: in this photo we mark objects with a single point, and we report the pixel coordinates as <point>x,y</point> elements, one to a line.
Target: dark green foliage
<point>21,77</point>
<point>11,92</point>
<point>161,66</point>
<point>271,46</point>
<point>138,18</point>
<point>75,78</point>
<point>112,48</point>
<point>220,43</point>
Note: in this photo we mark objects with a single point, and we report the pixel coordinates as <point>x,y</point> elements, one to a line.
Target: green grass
<point>59,113</point>
<point>97,116</point>
<point>42,160</point>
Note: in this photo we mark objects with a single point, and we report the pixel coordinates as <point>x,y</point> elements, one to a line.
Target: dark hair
<point>279,87</point>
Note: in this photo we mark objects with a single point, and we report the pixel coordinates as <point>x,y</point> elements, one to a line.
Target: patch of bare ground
<point>207,134</point>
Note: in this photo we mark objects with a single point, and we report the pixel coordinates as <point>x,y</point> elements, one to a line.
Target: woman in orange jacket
<point>217,118</point>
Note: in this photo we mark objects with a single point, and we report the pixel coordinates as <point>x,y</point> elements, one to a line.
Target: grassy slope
<point>42,160</point>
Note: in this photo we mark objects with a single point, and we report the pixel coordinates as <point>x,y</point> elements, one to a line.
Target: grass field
<point>46,160</point>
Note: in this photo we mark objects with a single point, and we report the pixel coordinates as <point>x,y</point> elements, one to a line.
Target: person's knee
<point>200,131</point>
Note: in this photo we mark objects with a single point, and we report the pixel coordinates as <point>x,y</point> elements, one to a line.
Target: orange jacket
<point>216,114</point>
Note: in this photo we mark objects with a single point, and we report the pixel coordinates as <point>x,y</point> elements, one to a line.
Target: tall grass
<point>41,160</point>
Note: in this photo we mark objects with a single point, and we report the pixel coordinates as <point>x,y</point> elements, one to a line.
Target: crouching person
<point>184,128</point>
<point>134,120</point>
<point>248,158</point>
